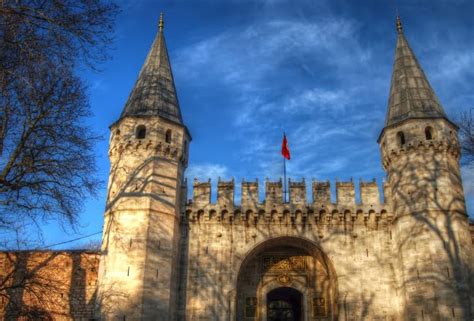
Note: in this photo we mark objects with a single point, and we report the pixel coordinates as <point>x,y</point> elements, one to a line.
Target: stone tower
<point>148,156</point>
<point>420,153</point>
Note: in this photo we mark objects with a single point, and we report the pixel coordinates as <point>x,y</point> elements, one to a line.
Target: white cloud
<point>454,66</point>
<point>241,58</point>
<point>330,95</point>
<point>205,171</point>
<point>318,98</point>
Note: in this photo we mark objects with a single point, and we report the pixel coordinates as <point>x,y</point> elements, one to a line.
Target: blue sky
<point>246,71</point>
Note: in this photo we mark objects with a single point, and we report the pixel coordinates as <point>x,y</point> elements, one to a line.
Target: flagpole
<point>284,174</point>
<point>284,178</point>
<point>285,152</point>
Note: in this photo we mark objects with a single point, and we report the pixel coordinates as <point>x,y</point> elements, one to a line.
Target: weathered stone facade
<point>404,253</point>
<point>48,285</point>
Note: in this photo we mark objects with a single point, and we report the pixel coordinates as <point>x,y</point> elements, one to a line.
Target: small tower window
<point>168,136</point>
<point>401,138</point>
<point>117,134</point>
<point>429,133</point>
<point>140,132</point>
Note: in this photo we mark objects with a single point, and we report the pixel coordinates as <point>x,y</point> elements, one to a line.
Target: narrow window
<point>168,136</point>
<point>319,307</point>
<point>401,138</point>
<point>250,307</point>
<point>140,132</point>
<point>429,133</point>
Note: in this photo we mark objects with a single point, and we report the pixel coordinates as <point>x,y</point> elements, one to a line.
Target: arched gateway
<point>286,279</point>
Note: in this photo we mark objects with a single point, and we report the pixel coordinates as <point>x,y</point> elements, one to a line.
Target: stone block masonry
<point>48,285</point>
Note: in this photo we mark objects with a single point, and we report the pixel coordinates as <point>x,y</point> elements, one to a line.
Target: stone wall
<point>138,272</point>
<point>48,285</point>
<point>360,237</point>
<point>354,237</point>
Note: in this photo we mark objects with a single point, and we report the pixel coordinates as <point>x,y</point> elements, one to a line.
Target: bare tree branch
<point>466,135</point>
<point>47,165</point>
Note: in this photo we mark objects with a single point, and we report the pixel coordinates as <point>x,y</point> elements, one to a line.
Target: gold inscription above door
<point>280,263</point>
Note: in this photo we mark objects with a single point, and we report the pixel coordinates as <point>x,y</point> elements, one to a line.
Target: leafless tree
<point>466,134</point>
<point>47,165</point>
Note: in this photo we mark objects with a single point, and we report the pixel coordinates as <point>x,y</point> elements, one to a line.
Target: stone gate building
<point>408,257</point>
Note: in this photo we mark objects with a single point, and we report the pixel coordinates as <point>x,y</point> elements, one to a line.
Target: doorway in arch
<point>284,265</point>
<point>284,304</point>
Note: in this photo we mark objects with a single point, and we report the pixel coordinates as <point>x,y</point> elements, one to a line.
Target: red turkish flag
<point>285,151</point>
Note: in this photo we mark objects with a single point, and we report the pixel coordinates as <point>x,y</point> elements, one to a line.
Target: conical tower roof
<point>154,93</point>
<point>411,95</point>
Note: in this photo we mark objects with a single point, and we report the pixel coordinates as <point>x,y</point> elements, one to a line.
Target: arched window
<point>168,136</point>
<point>401,138</point>
<point>429,133</point>
<point>140,132</point>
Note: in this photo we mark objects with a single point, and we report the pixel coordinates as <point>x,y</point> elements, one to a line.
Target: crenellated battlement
<point>369,192</point>
<point>297,192</point>
<point>297,208</point>
<point>345,194</point>
<point>225,194</point>
<point>201,193</point>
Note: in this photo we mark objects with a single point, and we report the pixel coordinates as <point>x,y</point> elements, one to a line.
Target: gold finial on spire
<point>161,24</point>
<point>399,25</point>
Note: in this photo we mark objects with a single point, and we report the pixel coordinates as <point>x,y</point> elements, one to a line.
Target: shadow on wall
<point>48,285</point>
<point>433,241</point>
<point>134,182</point>
<point>430,253</point>
<point>210,294</point>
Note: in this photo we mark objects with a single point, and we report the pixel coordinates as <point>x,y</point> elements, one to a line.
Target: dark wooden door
<point>284,304</point>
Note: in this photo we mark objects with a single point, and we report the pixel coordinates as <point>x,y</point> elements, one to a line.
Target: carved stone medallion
<point>284,279</point>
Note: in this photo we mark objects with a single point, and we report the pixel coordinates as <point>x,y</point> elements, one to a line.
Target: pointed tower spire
<point>154,93</point>
<point>411,95</point>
